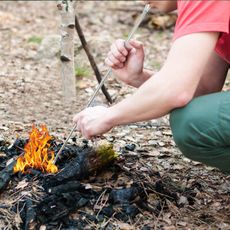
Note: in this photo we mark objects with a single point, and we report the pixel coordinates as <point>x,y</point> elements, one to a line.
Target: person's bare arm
<point>164,6</point>
<point>172,87</point>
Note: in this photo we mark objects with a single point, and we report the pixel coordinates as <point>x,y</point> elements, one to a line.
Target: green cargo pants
<point>201,129</point>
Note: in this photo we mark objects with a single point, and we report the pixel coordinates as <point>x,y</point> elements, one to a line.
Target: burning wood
<point>37,154</point>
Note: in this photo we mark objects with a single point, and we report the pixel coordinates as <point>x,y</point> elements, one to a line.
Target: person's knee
<point>199,130</point>
<point>183,122</point>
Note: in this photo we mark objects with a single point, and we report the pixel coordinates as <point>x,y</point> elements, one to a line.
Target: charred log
<point>5,175</point>
<point>88,162</point>
<point>127,195</point>
<point>70,186</point>
<point>68,153</point>
<point>57,206</point>
<point>16,148</point>
<point>30,223</point>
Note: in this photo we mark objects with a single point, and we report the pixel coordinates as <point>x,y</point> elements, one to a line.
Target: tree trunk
<point>66,9</point>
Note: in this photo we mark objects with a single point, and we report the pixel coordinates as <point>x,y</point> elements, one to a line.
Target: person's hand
<point>126,60</point>
<point>93,121</point>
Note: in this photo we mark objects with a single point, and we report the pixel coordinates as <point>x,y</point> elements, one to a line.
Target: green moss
<point>35,39</point>
<point>106,153</point>
<point>82,71</point>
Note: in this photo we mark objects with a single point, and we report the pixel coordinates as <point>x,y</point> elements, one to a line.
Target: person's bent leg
<point>201,129</point>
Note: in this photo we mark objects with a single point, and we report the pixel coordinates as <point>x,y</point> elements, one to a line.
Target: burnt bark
<point>5,175</point>
<point>30,217</point>
<point>61,201</point>
<point>87,162</point>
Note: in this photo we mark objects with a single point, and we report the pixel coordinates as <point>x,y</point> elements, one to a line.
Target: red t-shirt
<point>203,16</point>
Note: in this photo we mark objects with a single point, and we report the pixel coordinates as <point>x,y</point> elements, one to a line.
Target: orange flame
<point>37,155</point>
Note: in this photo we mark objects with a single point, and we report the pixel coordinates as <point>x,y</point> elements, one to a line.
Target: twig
<point>60,226</point>
<point>4,206</point>
<point>90,58</point>
<point>158,218</point>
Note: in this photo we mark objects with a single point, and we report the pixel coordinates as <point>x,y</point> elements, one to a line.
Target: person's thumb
<point>136,44</point>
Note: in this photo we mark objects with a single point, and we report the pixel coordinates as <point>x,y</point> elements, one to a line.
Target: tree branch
<point>90,58</point>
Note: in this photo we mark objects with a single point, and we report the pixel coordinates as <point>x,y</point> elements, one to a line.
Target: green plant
<point>82,71</point>
<point>35,39</point>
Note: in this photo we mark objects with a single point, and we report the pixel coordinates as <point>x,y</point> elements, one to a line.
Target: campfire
<point>82,190</point>
<point>37,154</point>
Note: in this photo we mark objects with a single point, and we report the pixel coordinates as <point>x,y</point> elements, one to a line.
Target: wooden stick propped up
<point>90,58</point>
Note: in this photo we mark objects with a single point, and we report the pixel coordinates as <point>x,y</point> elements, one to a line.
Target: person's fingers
<point>136,44</point>
<point>86,129</point>
<point>117,54</point>
<point>76,117</point>
<point>128,46</point>
<point>121,47</point>
<point>113,59</point>
<point>110,63</point>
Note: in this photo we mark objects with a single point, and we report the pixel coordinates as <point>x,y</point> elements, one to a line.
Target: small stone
<point>183,200</point>
<point>130,147</point>
<point>160,143</point>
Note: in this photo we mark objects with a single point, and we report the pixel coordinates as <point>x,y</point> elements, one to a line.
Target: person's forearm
<point>169,6</point>
<point>143,77</point>
<point>172,87</point>
<point>152,100</point>
<point>164,6</point>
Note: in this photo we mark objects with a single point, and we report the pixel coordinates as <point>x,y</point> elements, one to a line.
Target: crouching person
<point>188,85</point>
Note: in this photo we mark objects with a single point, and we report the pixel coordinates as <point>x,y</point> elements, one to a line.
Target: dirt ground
<point>30,92</point>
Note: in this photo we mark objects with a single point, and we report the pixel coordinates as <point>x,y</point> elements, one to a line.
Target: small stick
<point>90,58</point>
<point>138,22</point>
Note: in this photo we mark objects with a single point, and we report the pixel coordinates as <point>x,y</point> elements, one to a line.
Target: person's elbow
<point>181,99</point>
<point>177,94</point>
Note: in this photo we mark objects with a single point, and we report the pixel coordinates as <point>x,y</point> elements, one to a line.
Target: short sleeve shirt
<point>205,16</point>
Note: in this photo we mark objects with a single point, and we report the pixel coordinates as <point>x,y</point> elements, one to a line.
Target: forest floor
<point>30,92</point>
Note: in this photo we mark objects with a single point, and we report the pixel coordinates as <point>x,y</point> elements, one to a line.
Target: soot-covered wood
<point>6,172</point>
<point>62,199</point>
<point>87,162</point>
<point>5,175</point>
